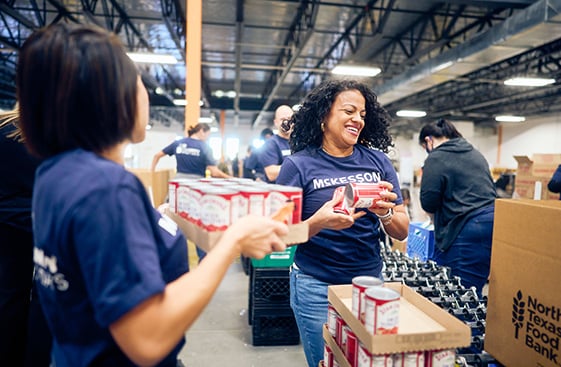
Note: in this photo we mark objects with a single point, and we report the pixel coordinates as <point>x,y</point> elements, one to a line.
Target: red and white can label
<point>182,197</point>
<point>344,336</point>
<point>192,203</point>
<point>360,284</point>
<point>381,314</point>
<point>441,358</point>
<point>327,356</point>
<point>351,348</point>
<point>332,320</point>
<point>216,205</point>
<point>363,195</point>
<point>367,359</point>
<point>409,359</point>
<point>342,207</point>
<point>277,198</point>
<point>339,329</point>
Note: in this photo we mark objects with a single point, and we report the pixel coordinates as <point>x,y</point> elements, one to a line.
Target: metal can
<point>216,208</point>
<point>339,330</point>
<point>332,320</point>
<point>363,195</point>
<point>351,348</point>
<point>279,195</point>
<point>441,358</point>
<point>252,199</point>
<point>360,284</point>
<point>342,207</point>
<point>367,359</point>
<point>327,356</point>
<point>409,359</point>
<point>381,314</point>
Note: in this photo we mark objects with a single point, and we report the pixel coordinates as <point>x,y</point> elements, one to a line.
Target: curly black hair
<point>317,105</point>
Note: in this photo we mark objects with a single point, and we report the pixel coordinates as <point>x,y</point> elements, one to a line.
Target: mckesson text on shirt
<point>337,181</point>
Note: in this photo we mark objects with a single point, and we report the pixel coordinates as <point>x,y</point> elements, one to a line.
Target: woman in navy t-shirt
<point>111,271</point>
<point>339,136</point>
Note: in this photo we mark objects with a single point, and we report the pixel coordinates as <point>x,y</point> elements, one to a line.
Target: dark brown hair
<point>439,129</point>
<point>198,127</point>
<point>76,88</point>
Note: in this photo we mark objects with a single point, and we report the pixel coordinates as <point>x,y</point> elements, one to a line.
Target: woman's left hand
<point>381,207</point>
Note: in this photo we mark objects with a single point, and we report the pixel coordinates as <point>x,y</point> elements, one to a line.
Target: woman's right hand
<point>257,236</point>
<point>326,218</point>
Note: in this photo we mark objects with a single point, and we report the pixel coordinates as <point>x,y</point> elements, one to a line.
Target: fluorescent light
<point>180,102</point>
<point>356,70</point>
<point>442,66</point>
<point>529,82</point>
<point>206,120</point>
<point>152,58</point>
<point>510,118</point>
<point>411,113</point>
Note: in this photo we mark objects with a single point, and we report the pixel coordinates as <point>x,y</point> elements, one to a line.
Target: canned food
<point>277,198</point>
<point>360,284</point>
<point>351,348</point>
<point>441,358</point>
<point>363,195</point>
<point>381,314</point>
<point>327,356</point>
<point>332,320</point>
<point>342,207</point>
<point>367,359</point>
<point>409,359</point>
<point>217,209</point>
<point>339,329</point>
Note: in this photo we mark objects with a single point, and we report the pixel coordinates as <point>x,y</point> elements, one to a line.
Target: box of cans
<point>420,324</point>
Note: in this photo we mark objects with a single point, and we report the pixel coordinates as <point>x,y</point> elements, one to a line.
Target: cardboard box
<point>156,183</point>
<point>539,168</point>
<point>524,306</point>
<point>422,324</point>
<point>205,240</point>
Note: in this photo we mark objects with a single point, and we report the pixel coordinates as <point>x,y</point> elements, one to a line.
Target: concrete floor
<point>222,335</point>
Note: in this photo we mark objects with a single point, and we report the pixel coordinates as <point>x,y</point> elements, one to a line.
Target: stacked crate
<point>269,312</point>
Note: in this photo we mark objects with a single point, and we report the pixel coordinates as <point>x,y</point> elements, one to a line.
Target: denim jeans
<point>308,299</point>
<point>469,257</point>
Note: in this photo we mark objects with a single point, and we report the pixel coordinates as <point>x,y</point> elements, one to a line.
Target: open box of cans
<point>422,327</point>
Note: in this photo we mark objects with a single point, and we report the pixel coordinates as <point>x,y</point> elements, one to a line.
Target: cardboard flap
<point>523,159</point>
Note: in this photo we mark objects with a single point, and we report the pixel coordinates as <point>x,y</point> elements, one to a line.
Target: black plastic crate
<point>270,286</point>
<point>274,326</point>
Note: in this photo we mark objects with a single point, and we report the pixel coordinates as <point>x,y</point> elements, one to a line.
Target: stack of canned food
<point>214,204</point>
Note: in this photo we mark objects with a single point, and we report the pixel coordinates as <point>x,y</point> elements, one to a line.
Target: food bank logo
<point>538,324</point>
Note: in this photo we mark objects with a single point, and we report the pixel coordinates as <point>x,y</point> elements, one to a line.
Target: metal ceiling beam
<point>6,9</point>
<point>518,33</point>
<point>299,33</point>
<point>239,38</point>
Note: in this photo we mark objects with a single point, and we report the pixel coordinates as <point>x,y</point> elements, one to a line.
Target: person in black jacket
<point>24,337</point>
<point>554,184</point>
<point>457,190</point>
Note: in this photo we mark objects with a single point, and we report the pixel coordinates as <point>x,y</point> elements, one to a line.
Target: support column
<point>193,51</point>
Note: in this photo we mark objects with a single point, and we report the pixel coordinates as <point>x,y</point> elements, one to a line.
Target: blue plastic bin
<point>420,241</point>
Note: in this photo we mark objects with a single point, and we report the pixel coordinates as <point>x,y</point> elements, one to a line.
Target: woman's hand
<point>257,236</point>
<point>381,207</point>
<point>326,218</point>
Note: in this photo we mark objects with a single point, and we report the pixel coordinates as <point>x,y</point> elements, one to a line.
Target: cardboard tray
<point>205,240</point>
<point>338,354</point>
<point>422,324</point>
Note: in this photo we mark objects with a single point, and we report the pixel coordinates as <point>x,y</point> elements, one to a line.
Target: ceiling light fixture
<point>442,66</point>
<point>411,113</point>
<point>180,102</point>
<point>151,58</point>
<point>355,70</point>
<point>510,118</point>
<point>205,120</point>
<point>529,82</point>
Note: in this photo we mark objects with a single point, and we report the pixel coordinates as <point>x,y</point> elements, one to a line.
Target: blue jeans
<point>469,257</point>
<point>308,299</point>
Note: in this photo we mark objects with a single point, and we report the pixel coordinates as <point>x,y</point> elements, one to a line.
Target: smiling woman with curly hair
<point>339,136</point>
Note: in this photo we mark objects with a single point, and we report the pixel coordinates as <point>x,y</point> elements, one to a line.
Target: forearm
<point>156,159</point>
<point>398,226</point>
<point>215,172</point>
<point>272,172</point>
<point>155,327</point>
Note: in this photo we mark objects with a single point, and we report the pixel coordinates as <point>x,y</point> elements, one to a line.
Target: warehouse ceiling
<point>448,58</point>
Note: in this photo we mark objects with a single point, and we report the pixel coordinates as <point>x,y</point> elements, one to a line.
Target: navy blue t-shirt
<point>334,256</point>
<point>101,249</point>
<point>273,152</point>
<point>192,156</point>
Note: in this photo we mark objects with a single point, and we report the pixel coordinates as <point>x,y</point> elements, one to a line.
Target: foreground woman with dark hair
<point>111,271</point>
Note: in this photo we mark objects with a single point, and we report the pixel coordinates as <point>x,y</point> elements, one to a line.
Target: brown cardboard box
<point>539,168</point>
<point>156,183</point>
<point>524,308</point>
<point>422,324</point>
<point>205,240</point>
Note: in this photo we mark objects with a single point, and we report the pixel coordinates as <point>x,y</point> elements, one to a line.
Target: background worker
<point>192,154</point>
<point>276,148</point>
<point>457,190</point>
